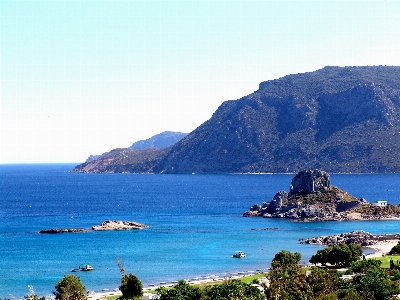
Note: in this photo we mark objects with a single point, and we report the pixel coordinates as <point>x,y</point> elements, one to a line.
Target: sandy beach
<point>382,248</point>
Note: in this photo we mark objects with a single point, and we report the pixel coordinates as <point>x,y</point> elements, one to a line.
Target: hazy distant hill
<point>339,119</point>
<point>160,141</point>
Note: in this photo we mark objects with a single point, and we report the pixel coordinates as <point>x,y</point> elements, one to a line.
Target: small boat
<point>87,268</point>
<point>239,254</point>
<point>83,269</point>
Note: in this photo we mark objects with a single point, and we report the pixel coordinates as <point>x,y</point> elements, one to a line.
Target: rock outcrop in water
<point>119,225</point>
<point>106,225</point>
<point>359,237</point>
<point>313,198</point>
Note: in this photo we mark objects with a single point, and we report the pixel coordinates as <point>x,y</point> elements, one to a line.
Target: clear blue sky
<point>84,77</point>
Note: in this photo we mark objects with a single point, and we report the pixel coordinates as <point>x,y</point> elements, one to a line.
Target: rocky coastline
<point>312,198</point>
<point>105,226</point>
<point>359,237</point>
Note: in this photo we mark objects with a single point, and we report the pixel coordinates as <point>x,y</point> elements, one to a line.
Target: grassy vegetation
<point>386,260</point>
<point>246,279</point>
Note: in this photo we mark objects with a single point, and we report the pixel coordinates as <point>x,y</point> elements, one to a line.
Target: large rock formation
<point>310,181</point>
<point>313,198</point>
<point>359,237</point>
<point>336,119</point>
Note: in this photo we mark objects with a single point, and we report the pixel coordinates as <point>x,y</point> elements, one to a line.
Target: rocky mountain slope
<point>145,154</point>
<point>340,119</point>
<point>313,198</point>
<point>124,160</point>
<point>160,141</point>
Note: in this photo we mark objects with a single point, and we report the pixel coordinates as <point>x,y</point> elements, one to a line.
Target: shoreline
<point>195,281</point>
<point>382,248</point>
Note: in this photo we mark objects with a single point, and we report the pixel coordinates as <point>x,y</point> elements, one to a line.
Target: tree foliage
<point>363,265</point>
<point>182,290</point>
<point>131,287</point>
<point>70,288</point>
<point>377,282</point>
<point>285,258</point>
<point>341,255</point>
<point>234,289</point>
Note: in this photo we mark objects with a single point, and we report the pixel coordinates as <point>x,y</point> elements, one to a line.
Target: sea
<point>195,225</point>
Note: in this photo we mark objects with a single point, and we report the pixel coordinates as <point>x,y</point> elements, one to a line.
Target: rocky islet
<point>313,198</point>
<point>105,226</point>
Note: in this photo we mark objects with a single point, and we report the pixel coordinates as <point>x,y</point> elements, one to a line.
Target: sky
<point>83,77</point>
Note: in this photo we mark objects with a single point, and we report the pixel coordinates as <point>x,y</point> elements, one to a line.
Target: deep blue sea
<point>195,224</point>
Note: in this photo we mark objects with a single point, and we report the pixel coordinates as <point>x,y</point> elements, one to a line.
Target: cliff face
<point>336,119</point>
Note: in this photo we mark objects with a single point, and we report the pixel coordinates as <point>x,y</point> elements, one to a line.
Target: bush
<point>131,287</point>
<point>182,290</point>
<point>234,289</point>
<point>363,265</point>
<point>70,288</point>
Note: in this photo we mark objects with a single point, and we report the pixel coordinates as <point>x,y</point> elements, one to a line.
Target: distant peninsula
<point>338,119</point>
<point>313,198</point>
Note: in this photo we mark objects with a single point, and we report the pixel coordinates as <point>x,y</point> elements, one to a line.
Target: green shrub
<point>70,288</point>
<point>131,287</point>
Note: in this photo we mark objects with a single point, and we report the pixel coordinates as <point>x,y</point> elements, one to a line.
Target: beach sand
<point>382,248</point>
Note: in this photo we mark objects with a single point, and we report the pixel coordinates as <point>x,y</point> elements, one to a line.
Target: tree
<point>70,288</point>
<point>323,282</point>
<point>181,291</point>
<point>377,282</point>
<point>131,287</point>
<point>285,258</point>
<point>287,279</point>
<point>395,249</point>
<point>340,255</point>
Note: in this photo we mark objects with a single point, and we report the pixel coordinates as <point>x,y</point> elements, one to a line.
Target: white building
<point>381,203</point>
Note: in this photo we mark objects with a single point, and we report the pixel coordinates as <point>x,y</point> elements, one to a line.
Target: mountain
<point>160,141</point>
<point>339,119</point>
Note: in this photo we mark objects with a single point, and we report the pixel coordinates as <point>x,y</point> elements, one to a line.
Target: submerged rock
<point>64,230</point>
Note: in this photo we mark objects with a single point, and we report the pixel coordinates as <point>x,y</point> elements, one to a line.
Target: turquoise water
<point>195,224</point>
